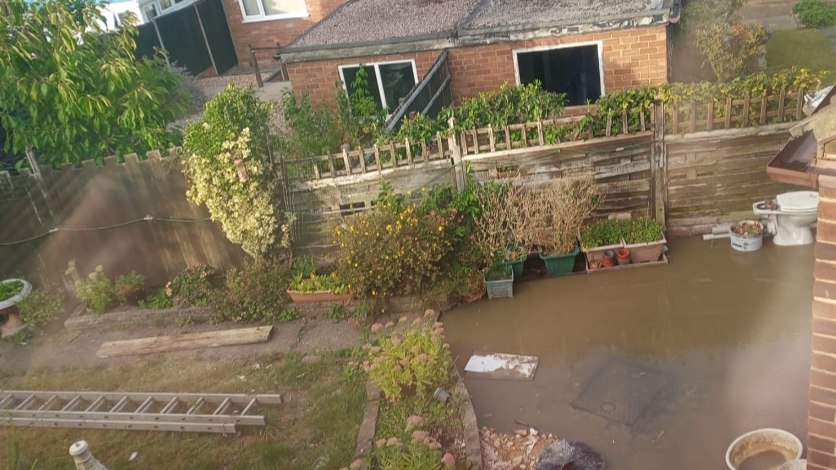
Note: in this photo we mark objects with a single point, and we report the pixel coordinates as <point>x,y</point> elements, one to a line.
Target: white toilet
<point>791,220</point>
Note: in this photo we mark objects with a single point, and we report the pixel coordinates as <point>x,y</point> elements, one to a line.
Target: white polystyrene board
<point>501,366</point>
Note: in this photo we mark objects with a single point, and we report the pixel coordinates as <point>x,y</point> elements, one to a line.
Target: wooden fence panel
<point>714,179</point>
<point>107,196</point>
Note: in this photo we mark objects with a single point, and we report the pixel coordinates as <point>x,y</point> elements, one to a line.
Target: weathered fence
<point>709,171</point>
<point>124,216</point>
<point>714,177</point>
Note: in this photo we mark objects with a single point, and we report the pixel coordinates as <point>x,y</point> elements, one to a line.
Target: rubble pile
<point>518,451</point>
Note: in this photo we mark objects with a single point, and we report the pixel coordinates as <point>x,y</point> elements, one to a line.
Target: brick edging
<point>134,317</point>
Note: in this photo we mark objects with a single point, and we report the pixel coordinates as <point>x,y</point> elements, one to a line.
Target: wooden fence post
<point>658,196</point>
<point>458,164</point>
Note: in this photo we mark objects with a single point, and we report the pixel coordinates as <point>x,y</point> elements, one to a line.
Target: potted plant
<point>12,291</point>
<point>563,206</point>
<point>502,226</point>
<point>600,237</point>
<point>645,238</point>
<point>318,288</point>
<point>499,281</point>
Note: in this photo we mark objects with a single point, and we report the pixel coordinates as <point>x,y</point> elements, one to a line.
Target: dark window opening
<point>350,74</point>
<point>572,70</point>
<point>395,79</point>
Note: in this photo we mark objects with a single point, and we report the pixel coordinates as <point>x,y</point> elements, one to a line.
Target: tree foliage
<point>73,92</point>
<point>235,127</point>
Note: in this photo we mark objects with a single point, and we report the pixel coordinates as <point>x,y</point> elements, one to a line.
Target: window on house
<point>388,82</point>
<point>259,10</point>
<point>150,11</point>
<point>575,71</point>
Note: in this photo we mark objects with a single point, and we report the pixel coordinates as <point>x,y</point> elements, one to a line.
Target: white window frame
<point>600,45</point>
<point>160,12</point>
<point>376,66</point>
<point>261,16</point>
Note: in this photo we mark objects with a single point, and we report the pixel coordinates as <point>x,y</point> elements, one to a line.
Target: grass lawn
<point>320,417</point>
<point>808,48</point>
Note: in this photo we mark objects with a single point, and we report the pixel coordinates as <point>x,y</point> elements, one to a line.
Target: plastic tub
<point>746,242</point>
<point>763,440</point>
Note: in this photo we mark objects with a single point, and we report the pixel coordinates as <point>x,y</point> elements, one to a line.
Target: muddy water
<point>769,460</point>
<point>719,340</point>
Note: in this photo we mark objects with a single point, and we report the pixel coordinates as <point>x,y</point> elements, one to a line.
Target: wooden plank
<point>540,137</point>
<point>377,158</point>
<point>609,123</point>
<point>362,155</point>
<point>347,162</point>
<point>211,339</point>
<point>710,119</point>
<point>799,104</point>
<point>694,116</point>
<point>408,153</point>
<point>728,112</point>
<point>491,138</point>
<point>747,102</point>
<point>619,267</point>
<point>625,128</point>
<point>763,110</point>
<point>508,145</point>
<point>501,366</point>
<point>781,101</point>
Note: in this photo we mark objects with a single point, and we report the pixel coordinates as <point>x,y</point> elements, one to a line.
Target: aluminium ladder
<point>186,412</point>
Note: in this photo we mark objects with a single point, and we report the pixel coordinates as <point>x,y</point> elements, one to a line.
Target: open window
<point>388,82</point>
<point>573,69</point>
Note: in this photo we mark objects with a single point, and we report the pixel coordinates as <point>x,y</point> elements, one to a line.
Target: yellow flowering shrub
<point>395,249</point>
<point>235,128</point>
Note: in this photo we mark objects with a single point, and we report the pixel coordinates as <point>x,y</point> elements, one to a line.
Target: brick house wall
<point>821,424</point>
<point>318,77</point>
<point>631,57</point>
<point>268,33</point>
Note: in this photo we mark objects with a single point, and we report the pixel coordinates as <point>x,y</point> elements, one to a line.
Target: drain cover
<point>621,392</point>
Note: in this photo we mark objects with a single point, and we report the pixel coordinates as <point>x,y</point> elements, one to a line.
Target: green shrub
<point>130,285</point>
<point>236,128</point>
<point>256,293</point>
<point>602,233</point>
<point>158,301</point>
<point>288,315</point>
<point>414,363</point>
<point>319,283</point>
<point>191,287</point>
<point>642,231</point>
<point>40,307</point>
<point>730,49</point>
<point>394,249</point>
<point>98,295</point>
<point>815,13</point>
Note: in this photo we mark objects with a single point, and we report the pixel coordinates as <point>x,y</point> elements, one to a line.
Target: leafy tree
<point>72,92</point>
<point>234,135</point>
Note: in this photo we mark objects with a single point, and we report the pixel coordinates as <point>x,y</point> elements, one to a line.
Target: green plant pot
<point>517,266</point>
<point>560,264</point>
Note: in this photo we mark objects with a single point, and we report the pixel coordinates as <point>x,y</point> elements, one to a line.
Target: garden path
<point>776,14</point>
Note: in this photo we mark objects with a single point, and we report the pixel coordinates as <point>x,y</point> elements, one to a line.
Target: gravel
<point>521,12</point>
<point>379,20</point>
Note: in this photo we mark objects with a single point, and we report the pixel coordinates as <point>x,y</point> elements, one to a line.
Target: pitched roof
<point>362,21</point>
<point>503,13</point>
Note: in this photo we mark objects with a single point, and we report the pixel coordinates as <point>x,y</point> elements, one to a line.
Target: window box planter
<point>560,264</point>
<point>646,252</point>
<point>500,288</point>
<point>597,253</point>
<point>517,266</point>
<point>600,237</point>
<point>313,297</point>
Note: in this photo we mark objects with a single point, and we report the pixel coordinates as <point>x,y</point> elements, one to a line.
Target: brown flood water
<point>657,367</point>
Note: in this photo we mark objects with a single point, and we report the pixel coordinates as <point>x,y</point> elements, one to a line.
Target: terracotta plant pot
<point>623,255</point>
<point>313,297</point>
<point>608,260</point>
<point>594,264</point>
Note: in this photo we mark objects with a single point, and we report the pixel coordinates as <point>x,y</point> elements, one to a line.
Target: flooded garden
<point>658,367</point>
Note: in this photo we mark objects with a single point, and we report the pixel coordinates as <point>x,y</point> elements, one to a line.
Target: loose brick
<point>819,458</point>
<point>821,444</point>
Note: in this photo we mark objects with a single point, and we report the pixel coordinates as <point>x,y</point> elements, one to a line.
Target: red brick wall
<point>631,57</point>
<point>821,424</point>
<point>268,33</point>
<point>318,77</point>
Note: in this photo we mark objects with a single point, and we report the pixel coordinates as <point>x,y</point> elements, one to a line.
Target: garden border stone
<point>79,320</point>
<point>472,442</point>
<point>365,437</point>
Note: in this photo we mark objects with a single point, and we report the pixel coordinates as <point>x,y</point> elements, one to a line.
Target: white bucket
<point>763,440</point>
<point>746,242</point>
<point>794,465</point>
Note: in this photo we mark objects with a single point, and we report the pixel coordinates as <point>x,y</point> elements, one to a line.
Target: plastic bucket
<point>763,440</point>
<point>746,242</point>
<point>794,465</point>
